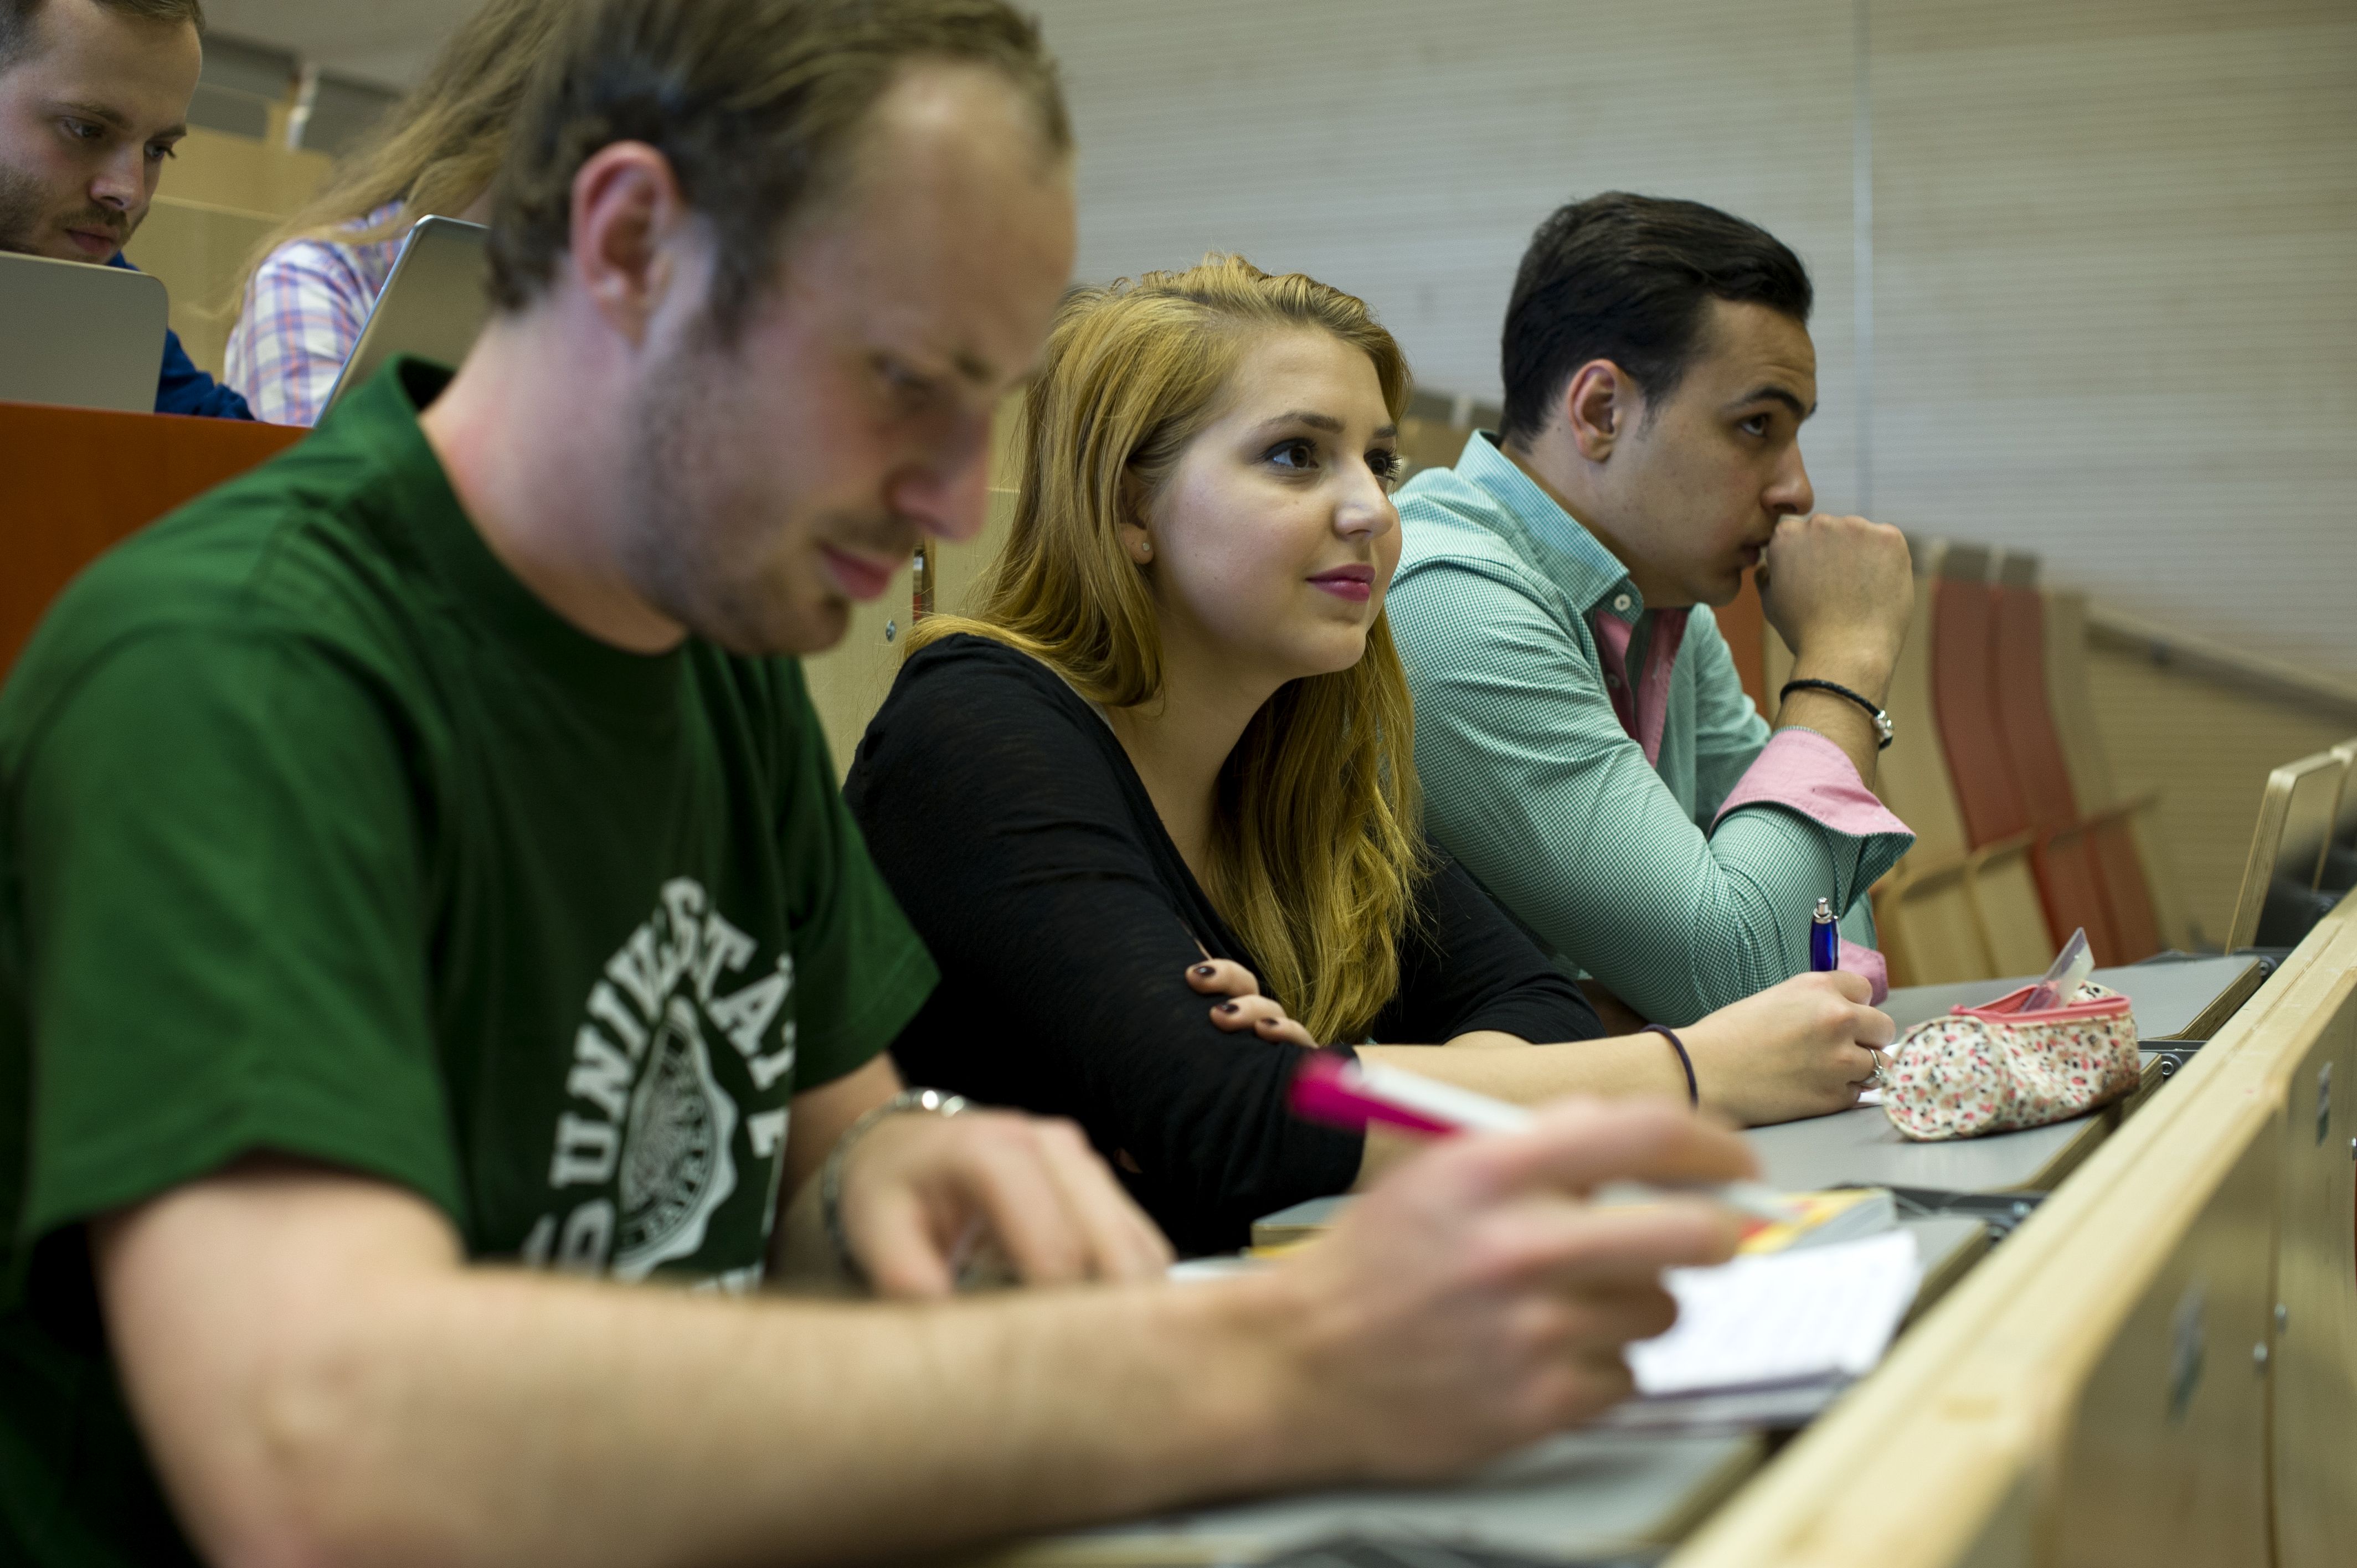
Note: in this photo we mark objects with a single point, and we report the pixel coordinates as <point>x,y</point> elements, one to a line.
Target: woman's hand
<point>1802,1049</point>
<point>1245,1007</point>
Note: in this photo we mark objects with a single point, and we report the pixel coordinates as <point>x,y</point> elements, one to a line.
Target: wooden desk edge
<point>1969,1409</point>
<point>1174,1551</point>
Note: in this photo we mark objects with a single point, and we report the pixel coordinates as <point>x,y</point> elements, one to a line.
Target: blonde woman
<point>1173,752</point>
<point>315,279</point>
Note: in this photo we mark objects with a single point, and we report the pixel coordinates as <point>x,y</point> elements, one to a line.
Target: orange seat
<point>1964,699</point>
<point>2087,871</point>
<point>1970,701</point>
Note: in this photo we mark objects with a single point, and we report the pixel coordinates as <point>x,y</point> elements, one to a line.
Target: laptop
<point>433,303</point>
<point>79,334</point>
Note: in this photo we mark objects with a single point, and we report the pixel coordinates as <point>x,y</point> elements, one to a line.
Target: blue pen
<point>1825,940</point>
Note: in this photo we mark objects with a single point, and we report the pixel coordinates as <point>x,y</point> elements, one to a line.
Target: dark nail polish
<point>1227,1007</point>
<point>1204,970</point>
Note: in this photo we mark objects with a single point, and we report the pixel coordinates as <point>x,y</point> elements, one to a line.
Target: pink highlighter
<point>1335,1091</point>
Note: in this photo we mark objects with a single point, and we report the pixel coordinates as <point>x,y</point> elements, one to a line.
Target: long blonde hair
<point>1317,844</point>
<point>436,150</point>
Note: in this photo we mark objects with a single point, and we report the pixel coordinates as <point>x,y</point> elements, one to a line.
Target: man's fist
<point>1839,591</point>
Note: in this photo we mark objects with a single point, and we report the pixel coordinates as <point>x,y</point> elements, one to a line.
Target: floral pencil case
<point>1995,1069</point>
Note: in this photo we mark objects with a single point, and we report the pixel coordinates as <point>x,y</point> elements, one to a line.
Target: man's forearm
<point>321,1379</point>
<point>518,1419</point>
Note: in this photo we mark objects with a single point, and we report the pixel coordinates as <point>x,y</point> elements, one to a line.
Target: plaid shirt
<point>302,313</point>
<point>1598,766</point>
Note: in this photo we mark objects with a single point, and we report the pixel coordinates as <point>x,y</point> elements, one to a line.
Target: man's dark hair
<point>757,103</point>
<point>18,16</point>
<point>1629,279</point>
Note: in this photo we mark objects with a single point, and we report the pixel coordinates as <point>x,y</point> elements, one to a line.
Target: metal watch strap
<point>930,1101</point>
<point>1882,730</point>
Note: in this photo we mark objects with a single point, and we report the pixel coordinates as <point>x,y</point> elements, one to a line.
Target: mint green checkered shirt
<point>1684,884</point>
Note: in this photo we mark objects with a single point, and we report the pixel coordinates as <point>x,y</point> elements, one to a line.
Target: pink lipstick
<point>1356,584</point>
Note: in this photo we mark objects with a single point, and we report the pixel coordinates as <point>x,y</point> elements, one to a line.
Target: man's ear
<point>625,205</point>
<point>1600,404</point>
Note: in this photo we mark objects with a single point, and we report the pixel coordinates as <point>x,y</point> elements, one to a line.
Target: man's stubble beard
<point>709,553</point>
<point>21,203</point>
<point>24,205</point>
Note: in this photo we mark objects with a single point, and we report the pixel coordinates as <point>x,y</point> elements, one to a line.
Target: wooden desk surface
<point>1594,1496</point>
<point>2173,999</point>
<point>2100,1390</point>
<point>1579,1495</point>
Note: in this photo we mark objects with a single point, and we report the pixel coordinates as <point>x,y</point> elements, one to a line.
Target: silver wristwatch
<point>928,1102</point>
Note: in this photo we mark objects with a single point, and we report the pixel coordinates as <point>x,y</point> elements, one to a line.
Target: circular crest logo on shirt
<point>675,1166</point>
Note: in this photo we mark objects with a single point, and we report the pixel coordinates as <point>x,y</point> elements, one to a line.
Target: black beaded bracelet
<point>1693,1090</point>
<point>1882,731</point>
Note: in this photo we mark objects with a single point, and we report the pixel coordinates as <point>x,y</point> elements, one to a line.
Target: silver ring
<point>1875,1077</point>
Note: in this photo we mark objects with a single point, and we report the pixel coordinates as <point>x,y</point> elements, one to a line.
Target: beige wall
<point>218,199</point>
<point>2206,748</point>
<point>2113,243</point>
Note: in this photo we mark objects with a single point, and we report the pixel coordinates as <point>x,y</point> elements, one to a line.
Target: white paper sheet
<point>1780,1318</point>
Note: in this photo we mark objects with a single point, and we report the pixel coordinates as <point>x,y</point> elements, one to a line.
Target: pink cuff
<point>1802,770</point>
<point>1867,963</point>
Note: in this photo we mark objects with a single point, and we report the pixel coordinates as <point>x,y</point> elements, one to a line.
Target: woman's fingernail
<point>1228,1006</point>
<point>1204,970</point>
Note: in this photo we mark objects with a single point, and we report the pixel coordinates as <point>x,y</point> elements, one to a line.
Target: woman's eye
<point>1387,466</point>
<point>1298,456</point>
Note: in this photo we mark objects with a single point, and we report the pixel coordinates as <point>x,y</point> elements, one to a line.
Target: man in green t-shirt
<point>421,881</point>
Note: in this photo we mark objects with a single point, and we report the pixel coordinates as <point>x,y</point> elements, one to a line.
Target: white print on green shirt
<point>647,1117</point>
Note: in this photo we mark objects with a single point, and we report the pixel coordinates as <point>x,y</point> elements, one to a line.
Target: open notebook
<point>1769,1339</point>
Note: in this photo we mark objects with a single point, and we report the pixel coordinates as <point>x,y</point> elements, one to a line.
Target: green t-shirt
<point>320,833</point>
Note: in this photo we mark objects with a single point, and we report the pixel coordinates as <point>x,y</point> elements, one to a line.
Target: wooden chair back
<point>1956,617</point>
<point>2338,872</point>
<point>1926,916</point>
<point>1964,699</point>
<point>80,479</point>
<point>1951,910</point>
<point>2145,913</point>
<point>2295,817</point>
<point>2070,876</point>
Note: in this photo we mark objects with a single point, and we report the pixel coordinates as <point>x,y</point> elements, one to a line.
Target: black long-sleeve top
<point>1025,849</point>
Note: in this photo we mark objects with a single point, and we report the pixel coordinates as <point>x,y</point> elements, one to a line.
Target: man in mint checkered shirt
<point>1585,746</point>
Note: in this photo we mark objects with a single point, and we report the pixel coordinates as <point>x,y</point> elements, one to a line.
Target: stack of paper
<point>1772,1337</point>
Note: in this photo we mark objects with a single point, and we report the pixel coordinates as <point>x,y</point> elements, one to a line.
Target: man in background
<point>440,982</point>
<point>93,97</point>
<point>1586,745</point>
